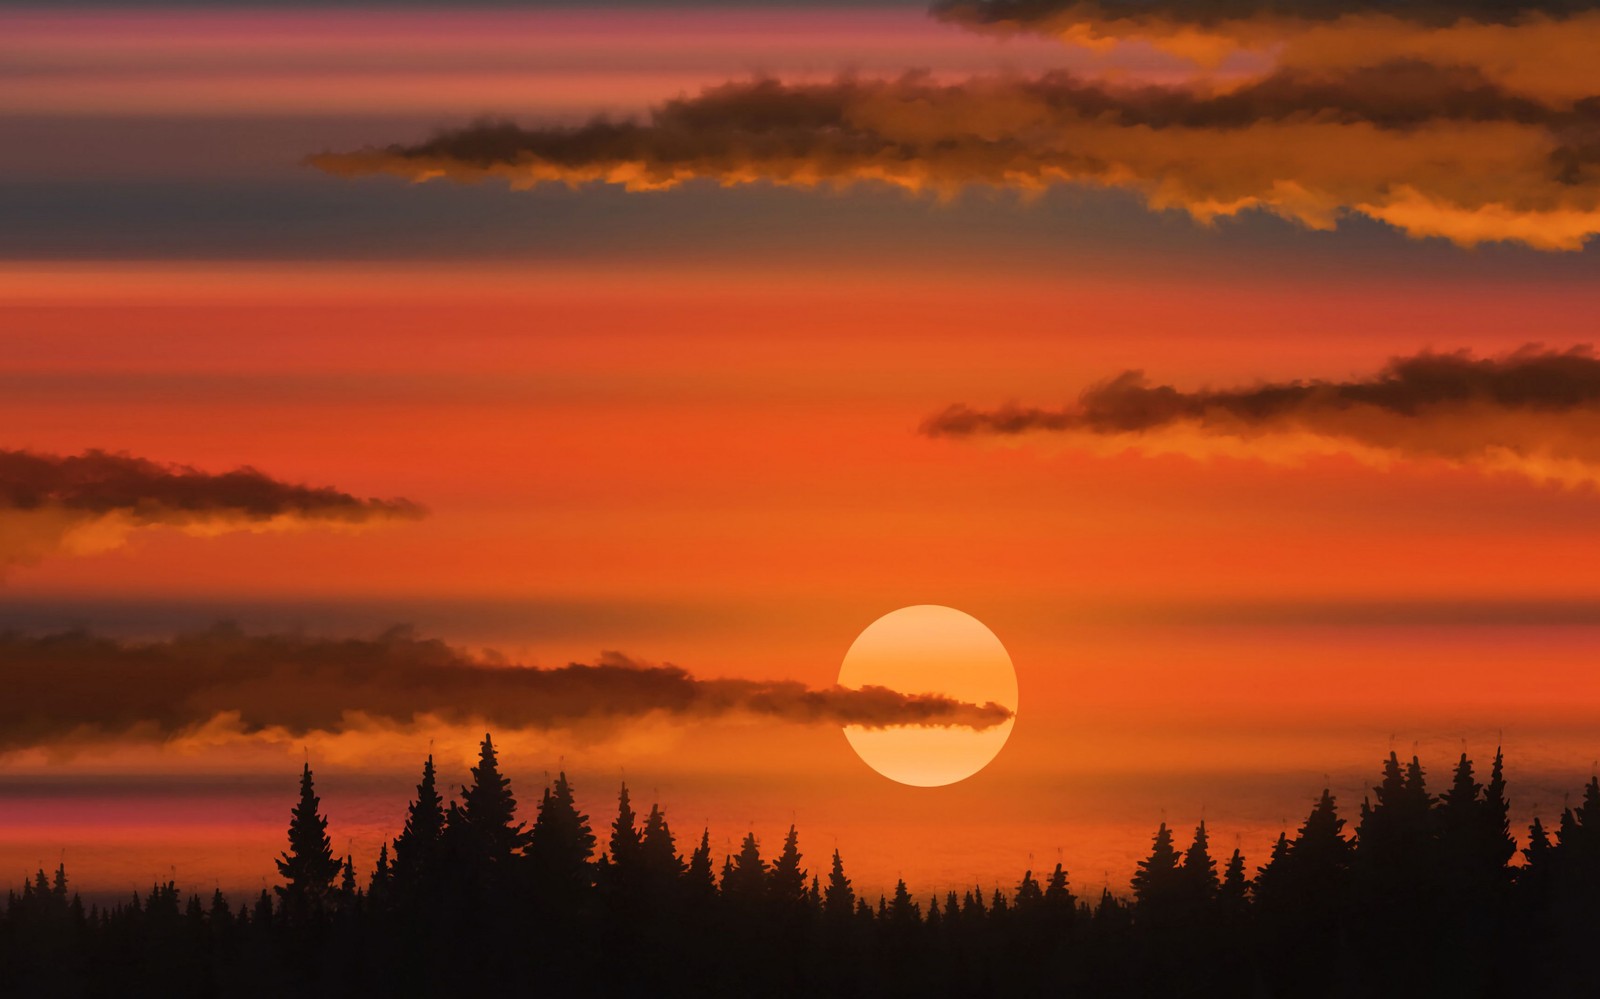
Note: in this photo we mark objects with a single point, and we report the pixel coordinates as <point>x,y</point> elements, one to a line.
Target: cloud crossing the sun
<point>1434,151</point>
<point>1534,412</point>
<point>78,504</point>
<point>75,688</point>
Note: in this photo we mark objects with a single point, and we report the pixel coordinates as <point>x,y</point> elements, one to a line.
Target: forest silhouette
<point>1418,897</point>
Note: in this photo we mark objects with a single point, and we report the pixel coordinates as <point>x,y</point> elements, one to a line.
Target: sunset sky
<point>720,388</point>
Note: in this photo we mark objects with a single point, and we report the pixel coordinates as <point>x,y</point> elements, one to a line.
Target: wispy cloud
<point>1434,151</point>
<point>53,504</point>
<point>1535,412</point>
<point>1544,47</point>
<point>74,688</point>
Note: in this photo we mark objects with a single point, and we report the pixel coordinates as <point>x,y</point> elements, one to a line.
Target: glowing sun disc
<point>929,649</point>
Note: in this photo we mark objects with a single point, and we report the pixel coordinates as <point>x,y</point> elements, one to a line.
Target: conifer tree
<point>903,911</point>
<point>417,848</point>
<point>699,881</point>
<point>1028,894</point>
<point>308,867</point>
<point>562,843</point>
<point>489,813</point>
<point>1156,881</point>
<point>746,880</point>
<point>1058,905</point>
<point>658,847</point>
<point>347,885</point>
<point>786,883</point>
<point>1233,892</point>
<point>1199,869</point>
<point>382,875</point>
<point>840,899</point>
<point>626,844</point>
<point>1496,846</point>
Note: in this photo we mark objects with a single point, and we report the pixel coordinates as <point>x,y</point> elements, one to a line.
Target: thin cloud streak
<point>90,502</point>
<point>74,688</point>
<point>1433,151</point>
<point>1544,47</point>
<point>1534,412</point>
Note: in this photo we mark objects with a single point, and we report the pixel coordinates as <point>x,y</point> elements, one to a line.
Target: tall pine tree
<point>308,867</point>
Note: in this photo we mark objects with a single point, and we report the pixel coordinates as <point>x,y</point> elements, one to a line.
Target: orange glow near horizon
<point>687,427</point>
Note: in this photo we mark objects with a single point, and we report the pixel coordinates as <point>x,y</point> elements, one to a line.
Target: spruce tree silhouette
<point>903,911</point>
<point>561,849</point>
<point>308,867</point>
<point>700,883</point>
<point>1028,896</point>
<point>1199,872</point>
<point>626,843</point>
<point>839,898</point>
<point>658,847</point>
<point>381,883</point>
<point>1157,883</point>
<point>1304,898</point>
<point>1058,897</point>
<point>416,869</point>
<point>745,883</point>
<point>786,882</point>
<point>494,837</point>
<point>1233,893</point>
<point>1495,846</point>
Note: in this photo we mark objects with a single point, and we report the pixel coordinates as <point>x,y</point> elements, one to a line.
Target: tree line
<point>1421,897</point>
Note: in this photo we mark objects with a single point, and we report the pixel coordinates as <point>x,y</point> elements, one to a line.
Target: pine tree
<point>1029,895</point>
<point>417,848</point>
<point>1233,893</point>
<point>840,899</point>
<point>1057,894</point>
<point>658,847</point>
<point>1199,869</point>
<point>347,883</point>
<point>1496,846</point>
<point>382,880</point>
<point>746,880</point>
<point>903,912</point>
<point>561,845</point>
<point>786,883</point>
<point>699,881</point>
<point>1059,906</point>
<point>626,844</point>
<point>308,867</point>
<point>493,836</point>
<point>1156,883</point>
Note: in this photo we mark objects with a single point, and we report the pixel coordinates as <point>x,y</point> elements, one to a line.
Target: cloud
<point>1434,151</point>
<point>1544,47</point>
<point>74,688</point>
<point>77,504</point>
<point>1534,412</point>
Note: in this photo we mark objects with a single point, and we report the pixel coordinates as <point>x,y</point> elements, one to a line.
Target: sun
<point>929,649</point>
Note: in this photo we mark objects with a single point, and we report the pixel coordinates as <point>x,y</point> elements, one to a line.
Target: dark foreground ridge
<point>1420,900</point>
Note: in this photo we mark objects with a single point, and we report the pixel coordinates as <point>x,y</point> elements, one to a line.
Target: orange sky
<point>700,446</point>
<point>582,440</point>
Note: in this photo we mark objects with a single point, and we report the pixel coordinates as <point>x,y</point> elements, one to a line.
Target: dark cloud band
<point>1435,151</point>
<point>1430,13</point>
<point>90,501</point>
<point>1532,411</point>
<point>76,687</point>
